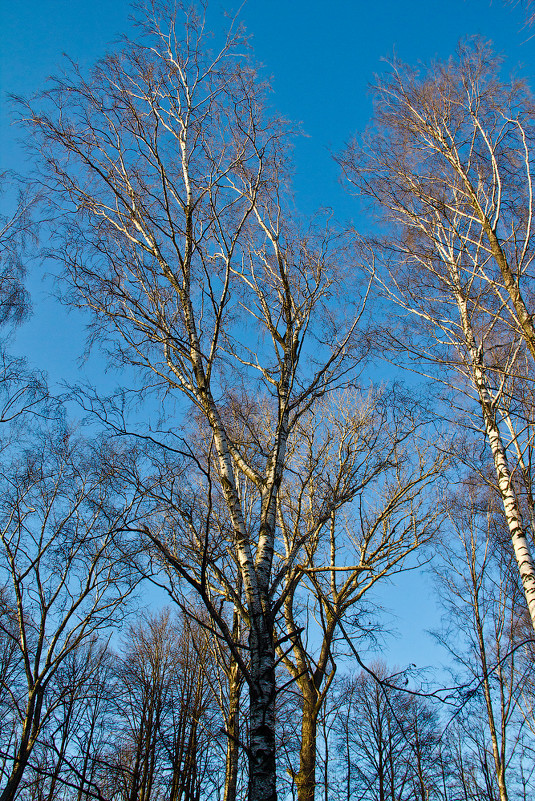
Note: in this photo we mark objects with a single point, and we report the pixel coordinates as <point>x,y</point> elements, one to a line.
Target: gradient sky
<point>321,57</point>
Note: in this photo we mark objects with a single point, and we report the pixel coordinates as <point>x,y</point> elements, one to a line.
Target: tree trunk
<point>10,790</point>
<point>233,733</point>
<point>305,779</point>
<point>511,507</point>
<point>262,763</point>
<point>85,764</point>
<point>498,762</point>
<point>513,516</point>
<point>24,750</point>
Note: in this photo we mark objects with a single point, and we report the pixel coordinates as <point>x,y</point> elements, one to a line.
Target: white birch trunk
<point>513,515</point>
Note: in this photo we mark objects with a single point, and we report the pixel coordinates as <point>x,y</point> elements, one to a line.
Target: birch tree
<point>448,160</point>
<point>180,237</point>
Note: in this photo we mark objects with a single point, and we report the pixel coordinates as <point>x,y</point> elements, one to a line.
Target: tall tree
<point>164,714</point>
<point>388,741</point>
<point>64,754</point>
<point>180,236</point>
<point>448,159</point>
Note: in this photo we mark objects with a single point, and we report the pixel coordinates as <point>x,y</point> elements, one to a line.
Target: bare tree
<point>17,232</point>
<point>486,637</point>
<point>90,739</point>
<point>182,240</point>
<point>60,514</point>
<point>22,391</point>
<point>164,722</point>
<point>387,741</point>
<point>358,503</point>
<point>62,758</point>
<point>450,165</point>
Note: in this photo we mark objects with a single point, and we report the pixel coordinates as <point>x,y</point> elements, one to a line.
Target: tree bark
<point>262,762</point>
<point>233,734</point>
<point>305,779</point>
<point>512,512</point>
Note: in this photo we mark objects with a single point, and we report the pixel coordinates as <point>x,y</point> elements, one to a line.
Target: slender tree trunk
<point>305,779</point>
<point>135,778</point>
<point>326,761</point>
<point>424,794</point>
<point>175,791</point>
<point>233,733</point>
<point>348,759</point>
<point>498,762</point>
<point>28,737</point>
<point>61,757</point>
<point>85,764</point>
<point>511,507</point>
<point>381,774</point>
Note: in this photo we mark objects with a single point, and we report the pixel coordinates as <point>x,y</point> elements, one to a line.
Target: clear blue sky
<point>321,57</point>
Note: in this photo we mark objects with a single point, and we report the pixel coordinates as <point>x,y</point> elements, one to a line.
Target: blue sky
<point>321,57</point>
